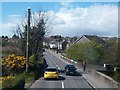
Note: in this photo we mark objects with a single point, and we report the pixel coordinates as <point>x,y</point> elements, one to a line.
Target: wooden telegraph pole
<point>27,48</point>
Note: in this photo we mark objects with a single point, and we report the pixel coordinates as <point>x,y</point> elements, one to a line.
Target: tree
<point>4,40</point>
<point>39,27</point>
<point>5,37</point>
<point>88,51</point>
<point>15,36</point>
<point>118,60</point>
<point>13,64</point>
<point>111,54</point>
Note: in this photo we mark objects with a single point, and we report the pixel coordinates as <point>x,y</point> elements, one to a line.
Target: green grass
<point>11,82</point>
<point>0,61</point>
<point>0,86</point>
<point>116,77</point>
<point>29,77</point>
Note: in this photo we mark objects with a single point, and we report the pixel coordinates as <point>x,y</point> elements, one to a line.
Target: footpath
<point>95,82</point>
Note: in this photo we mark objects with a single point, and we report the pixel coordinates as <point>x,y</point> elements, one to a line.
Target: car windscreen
<point>51,70</point>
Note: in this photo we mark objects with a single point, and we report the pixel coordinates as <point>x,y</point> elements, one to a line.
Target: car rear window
<point>71,66</point>
<point>51,70</point>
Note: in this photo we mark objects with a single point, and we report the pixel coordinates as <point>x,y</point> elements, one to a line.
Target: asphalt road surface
<point>64,81</point>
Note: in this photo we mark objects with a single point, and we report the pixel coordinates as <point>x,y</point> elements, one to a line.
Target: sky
<point>68,18</point>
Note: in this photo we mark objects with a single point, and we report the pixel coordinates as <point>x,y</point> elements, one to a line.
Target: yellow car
<point>51,72</point>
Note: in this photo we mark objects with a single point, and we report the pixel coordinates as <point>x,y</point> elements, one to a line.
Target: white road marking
<point>63,84</point>
<point>56,64</point>
<point>59,68</point>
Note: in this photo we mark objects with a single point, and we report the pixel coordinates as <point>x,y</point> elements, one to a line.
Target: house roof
<point>92,38</point>
<point>95,38</point>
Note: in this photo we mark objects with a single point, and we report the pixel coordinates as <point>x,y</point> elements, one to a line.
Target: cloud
<point>96,19</point>
<point>7,29</point>
<point>55,19</point>
<point>15,18</point>
<point>15,15</point>
<point>68,21</point>
<point>66,3</point>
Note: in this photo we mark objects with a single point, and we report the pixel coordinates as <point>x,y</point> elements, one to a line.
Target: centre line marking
<point>63,85</point>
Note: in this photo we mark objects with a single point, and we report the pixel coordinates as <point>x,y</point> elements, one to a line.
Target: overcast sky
<point>68,18</point>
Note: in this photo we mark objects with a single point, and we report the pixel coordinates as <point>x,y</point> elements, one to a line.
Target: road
<point>64,81</point>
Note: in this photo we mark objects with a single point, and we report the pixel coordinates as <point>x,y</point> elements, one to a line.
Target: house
<point>53,45</point>
<point>105,38</point>
<point>61,43</point>
<point>52,42</point>
<point>91,38</point>
<point>13,40</point>
<point>46,42</point>
<point>64,45</point>
<point>68,41</point>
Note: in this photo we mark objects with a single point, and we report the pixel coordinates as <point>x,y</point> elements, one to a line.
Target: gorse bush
<point>7,78</point>
<point>12,81</point>
<point>13,64</point>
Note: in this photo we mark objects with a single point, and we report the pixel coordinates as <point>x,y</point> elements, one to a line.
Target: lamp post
<point>27,48</point>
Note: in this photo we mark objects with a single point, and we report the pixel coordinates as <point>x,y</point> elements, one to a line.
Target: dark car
<point>70,69</point>
<point>43,50</point>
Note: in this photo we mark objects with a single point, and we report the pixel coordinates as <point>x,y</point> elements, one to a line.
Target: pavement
<point>27,85</point>
<point>94,82</point>
<point>87,75</point>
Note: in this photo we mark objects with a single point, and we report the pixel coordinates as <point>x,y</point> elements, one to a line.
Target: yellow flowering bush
<point>7,78</point>
<point>14,63</point>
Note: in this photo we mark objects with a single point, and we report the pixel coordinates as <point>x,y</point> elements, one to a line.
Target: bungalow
<point>91,38</point>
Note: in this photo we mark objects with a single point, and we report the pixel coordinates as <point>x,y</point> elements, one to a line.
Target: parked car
<point>43,50</point>
<point>70,69</point>
<point>51,72</point>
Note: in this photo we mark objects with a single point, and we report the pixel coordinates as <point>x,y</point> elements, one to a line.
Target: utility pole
<point>27,48</point>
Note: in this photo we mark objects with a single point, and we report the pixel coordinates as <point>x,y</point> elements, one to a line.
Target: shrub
<point>32,60</point>
<point>17,81</point>
<point>87,51</point>
<point>13,64</point>
<point>116,77</point>
<point>7,78</point>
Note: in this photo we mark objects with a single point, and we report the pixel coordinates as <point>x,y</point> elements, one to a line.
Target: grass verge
<point>10,83</point>
<point>116,76</point>
<point>29,77</point>
<point>19,79</point>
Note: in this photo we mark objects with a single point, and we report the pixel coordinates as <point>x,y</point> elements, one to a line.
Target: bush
<point>32,63</point>
<point>17,82</point>
<point>112,74</point>
<point>87,51</point>
<point>13,64</point>
<point>29,76</point>
<point>116,77</point>
<point>32,59</point>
